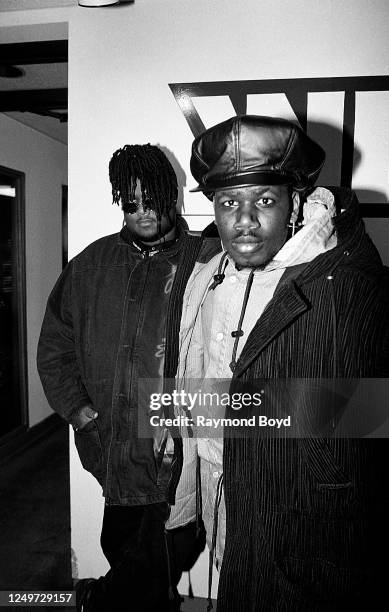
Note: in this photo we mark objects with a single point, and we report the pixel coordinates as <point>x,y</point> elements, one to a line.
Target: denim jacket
<point>104,329</point>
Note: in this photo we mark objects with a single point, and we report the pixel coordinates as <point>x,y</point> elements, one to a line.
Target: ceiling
<point>25,5</point>
<point>38,97</point>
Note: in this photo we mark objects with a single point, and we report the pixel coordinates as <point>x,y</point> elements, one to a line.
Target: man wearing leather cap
<point>299,293</point>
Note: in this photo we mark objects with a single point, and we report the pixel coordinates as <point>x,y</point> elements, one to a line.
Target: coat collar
<point>170,249</point>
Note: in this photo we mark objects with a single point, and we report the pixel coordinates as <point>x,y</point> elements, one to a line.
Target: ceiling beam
<point>33,100</point>
<point>42,52</point>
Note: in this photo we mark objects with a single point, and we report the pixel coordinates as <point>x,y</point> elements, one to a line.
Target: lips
<point>246,244</point>
<point>246,240</point>
<point>145,222</point>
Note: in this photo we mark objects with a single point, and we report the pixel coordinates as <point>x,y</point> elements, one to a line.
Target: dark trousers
<point>146,562</point>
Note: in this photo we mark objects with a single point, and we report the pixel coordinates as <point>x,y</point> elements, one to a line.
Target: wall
<point>44,162</point>
<point>124,60</point>
<point>121,62</point>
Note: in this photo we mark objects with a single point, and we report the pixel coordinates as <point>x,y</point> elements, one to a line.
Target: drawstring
<point>219,277</point>
<point>239,332</point>
<point>212,551</point>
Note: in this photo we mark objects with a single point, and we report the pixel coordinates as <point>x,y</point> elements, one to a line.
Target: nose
<point>246,218</point>
<point>143,212</point>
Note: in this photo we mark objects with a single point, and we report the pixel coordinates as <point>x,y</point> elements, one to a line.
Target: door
<point>13,378</point>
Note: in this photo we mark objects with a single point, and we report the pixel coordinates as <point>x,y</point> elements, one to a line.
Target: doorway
<point>13,349</point>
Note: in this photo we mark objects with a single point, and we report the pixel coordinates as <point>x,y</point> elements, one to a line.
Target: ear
<point>214,216</point>
<point>295,207</point>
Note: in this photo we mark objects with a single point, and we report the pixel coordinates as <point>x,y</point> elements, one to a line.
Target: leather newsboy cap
<point>253,150</point>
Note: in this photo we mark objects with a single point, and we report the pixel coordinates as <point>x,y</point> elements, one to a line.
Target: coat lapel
<point>288,304</point>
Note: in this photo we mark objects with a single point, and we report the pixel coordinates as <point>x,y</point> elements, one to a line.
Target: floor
<point>35,517</point>
<point>198,604</point>
<point>35,521</point>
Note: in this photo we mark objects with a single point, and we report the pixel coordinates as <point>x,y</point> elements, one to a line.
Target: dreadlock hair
<point>158,181</point>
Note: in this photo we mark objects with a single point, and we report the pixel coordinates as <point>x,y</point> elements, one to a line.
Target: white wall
<point>121,62</point>
<point>44,162</point>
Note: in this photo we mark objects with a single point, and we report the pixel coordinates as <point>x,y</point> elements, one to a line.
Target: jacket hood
<point>354,247</point>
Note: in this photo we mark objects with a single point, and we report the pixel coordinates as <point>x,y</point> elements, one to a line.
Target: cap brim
<point>245,180</point>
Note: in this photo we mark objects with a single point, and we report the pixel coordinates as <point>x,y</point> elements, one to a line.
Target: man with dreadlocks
<point>142,174</point>
<point>102,335</point>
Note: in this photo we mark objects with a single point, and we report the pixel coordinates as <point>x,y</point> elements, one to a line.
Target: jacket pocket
<point>316,580</point>
<point>322,465</point>
<point>89,448</point>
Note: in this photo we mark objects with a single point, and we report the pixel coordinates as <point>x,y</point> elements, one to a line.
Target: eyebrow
<point>233,192</point>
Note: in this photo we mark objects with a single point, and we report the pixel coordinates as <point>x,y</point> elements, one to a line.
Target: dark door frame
<point>18,180</point>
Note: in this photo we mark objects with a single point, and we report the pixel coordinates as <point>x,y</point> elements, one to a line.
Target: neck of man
<point>168,237</point>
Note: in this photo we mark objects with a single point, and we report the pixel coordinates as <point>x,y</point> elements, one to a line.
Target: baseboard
<point>24,438</point>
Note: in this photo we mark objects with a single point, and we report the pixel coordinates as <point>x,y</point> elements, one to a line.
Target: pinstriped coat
<point>307,518</point>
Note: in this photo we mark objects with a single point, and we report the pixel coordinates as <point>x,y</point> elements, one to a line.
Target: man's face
<point>252,222</point>
<point>143,223</point>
